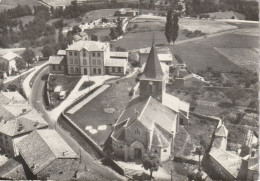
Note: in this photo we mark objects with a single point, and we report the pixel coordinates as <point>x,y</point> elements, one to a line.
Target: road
<point>36,100</point>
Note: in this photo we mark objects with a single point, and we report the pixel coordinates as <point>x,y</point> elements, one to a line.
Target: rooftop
<point>7,97</point>
<point>61,52</point>
<point>116,62</point>
<point>41,147</point>
<point>10,56</point>
<point>12,169</point>
<point>88,45</point>
<point>175,103</point>
<point>221,130</point>
<point>119,54</point>
<point>229,161</point>
<point>55,59</point>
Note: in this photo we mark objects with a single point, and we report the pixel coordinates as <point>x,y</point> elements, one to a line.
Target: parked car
<point>62,95</point>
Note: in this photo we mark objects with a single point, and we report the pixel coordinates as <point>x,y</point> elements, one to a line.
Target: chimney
<point>33,166</point>
<point>23,110</point>
<point>20,128</point>
<point>36,123</point>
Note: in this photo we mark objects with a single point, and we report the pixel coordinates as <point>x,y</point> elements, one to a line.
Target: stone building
<point>17,119</point>
<point>45,153</point>
<point>149,123</point>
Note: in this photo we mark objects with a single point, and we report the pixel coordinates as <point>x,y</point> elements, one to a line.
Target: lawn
<point>96,112</point>
<point>8,4</point>
<point>68,83</point>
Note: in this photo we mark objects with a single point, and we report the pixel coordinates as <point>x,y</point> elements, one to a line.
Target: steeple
<point>152,81</point>
<point>153,69</point>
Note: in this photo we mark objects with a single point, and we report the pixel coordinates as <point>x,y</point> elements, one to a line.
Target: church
<point>151,120</point>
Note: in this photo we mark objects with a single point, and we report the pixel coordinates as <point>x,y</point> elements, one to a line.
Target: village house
<point>46,153</point>
<point>94,58</point>
<point>13,169</point>
<point>8,63</point>
<point>225,164</point>
<point>128,13</point>
<point>150,121</point>
<point>17,119</point>
<point>57,64</point>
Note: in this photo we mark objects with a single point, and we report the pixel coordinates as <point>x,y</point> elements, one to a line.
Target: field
<point>201,53</point>
<point>243,57</point>
<point>8,4</point>
<point>25,19</point>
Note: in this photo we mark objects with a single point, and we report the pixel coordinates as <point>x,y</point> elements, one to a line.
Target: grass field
<point>8,4</point>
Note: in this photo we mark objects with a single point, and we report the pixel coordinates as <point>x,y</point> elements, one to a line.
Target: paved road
<point>36,100</point>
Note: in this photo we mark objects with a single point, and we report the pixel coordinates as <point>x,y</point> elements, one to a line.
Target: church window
<point>137,131</point>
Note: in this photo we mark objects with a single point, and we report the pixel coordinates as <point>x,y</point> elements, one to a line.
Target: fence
<point>108,160</point>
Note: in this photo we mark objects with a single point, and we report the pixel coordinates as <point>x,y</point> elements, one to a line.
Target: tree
<point>113,33</point>
<point>171,26</point>
<point>151,162</point>
<point>119,29</point>
<point>234,94</point>
<point>60,35</point>
<point>47,51</point>
<point>20,64</point>
<point>28,56</point>
<point>76,29</point>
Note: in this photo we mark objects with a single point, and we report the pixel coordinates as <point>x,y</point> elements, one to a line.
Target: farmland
<point>8,4</point>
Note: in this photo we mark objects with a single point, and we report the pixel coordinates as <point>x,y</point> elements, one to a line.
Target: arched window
<point>99,71</point>
<point>72,70</point>
<point>94,71</point>
<point>76,70</point>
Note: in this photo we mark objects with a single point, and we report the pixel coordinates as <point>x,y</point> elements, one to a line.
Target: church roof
<point>221,130</point>
<point>153,69</point>
<point>159,139</point>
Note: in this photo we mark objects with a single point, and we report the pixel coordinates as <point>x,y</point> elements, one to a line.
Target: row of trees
<point>117,31</point>
<point>248,8</point>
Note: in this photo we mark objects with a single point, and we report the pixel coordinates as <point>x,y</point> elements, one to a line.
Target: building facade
<point>93,58</point>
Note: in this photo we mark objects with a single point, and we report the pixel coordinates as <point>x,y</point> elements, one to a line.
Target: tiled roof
<point>219,142</point>
<point>55,59</point>
<point>175,103</point>
<point>19,125</point>
<point>61,52</point>
<point>3,159</point>
<point>10,56</point>
<point>159,139</point>
<point>229,161</point>
<point>116,62</point>
<point>221,131</point>
<point>88,45</point>
<point>5,114</point>
<point>14,97</point>
<point>119,54</point>
<point>12,170</point>
<point>41,147</point>
<point>152,70</point>
<point>17,109</point>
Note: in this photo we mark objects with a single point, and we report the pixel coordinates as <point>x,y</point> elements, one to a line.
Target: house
<point>225,164</point>
<point>8,62</point>
<point>149,123</point>
<point>57,64</point>
<point>253,165</point>
<point>94,58</point>
<point>17,119</point>
<point>13,169</point>
<point>46,153</point>
<point>128,13</point>
<point>190,80</point>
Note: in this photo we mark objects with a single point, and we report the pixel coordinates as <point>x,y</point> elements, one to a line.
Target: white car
<point>62,95</point>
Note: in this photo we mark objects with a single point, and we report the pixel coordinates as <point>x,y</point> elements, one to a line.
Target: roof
<point>12,169</point>
<point>152,115</point>
<point>192,75</point>
<point>19,126</point>
<point>3,159</point>
<point>152,70</point>
<point>159,139</point>
<point>10,56</point>
<point>116,62</point>
<point>119,54</point>
<point>41,147</point>
<point>253,164</point>
<point>229,161</point>
<point>221,130</point>
<point>88,45</point>
<point>61,52</point>
<point>55,59</point>
<point>7,97</point>
<point>165,57</point>
<point>175,103</point>
<point>219,142</point>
